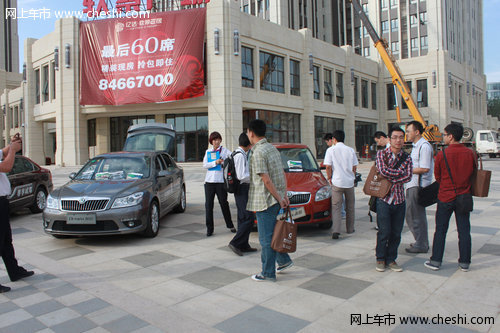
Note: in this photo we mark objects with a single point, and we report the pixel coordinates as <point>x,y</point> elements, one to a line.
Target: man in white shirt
<point>422,156</point>
<point>341,163</point>
<point>381,139</point>
<point>239,243</point>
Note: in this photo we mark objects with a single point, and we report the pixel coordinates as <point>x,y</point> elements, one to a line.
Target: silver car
<point>117,193</point>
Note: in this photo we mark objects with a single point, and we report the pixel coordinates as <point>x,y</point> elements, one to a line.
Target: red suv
<point>308,190</point>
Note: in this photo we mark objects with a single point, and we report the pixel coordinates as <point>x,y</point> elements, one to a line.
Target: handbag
<point>481,181</point>
<point>285,234</point>
<point>377,185</point>
<point>464,203</point>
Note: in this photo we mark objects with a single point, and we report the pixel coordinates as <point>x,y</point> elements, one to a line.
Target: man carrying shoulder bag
<point>453,169</point>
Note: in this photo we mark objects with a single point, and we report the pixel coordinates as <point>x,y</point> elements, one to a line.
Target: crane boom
<point>431,132</point>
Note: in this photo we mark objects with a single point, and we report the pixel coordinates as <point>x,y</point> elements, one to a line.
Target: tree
<point>494,107</point>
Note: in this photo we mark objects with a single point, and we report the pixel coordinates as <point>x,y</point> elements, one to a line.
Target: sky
<point>39,27</point>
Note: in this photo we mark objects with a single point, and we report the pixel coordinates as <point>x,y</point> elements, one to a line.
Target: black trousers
<point>211,189</point>
<point>245,218</point>
<point>6,247</point>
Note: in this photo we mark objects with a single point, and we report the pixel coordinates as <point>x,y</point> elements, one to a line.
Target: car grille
<point>299,199</point>
<point>87,206</point>
<point>99,226</point>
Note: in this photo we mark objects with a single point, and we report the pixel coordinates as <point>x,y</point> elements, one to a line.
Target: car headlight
<point>131,200</point>
<point>52,203</point>
<point>323,193</point>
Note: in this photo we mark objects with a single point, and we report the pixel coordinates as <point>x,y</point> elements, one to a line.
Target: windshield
<point>298,160</point>
<point>150,142</point>
<point>115,168</point>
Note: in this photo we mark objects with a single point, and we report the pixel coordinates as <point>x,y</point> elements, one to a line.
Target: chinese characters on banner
<point>142,60</point>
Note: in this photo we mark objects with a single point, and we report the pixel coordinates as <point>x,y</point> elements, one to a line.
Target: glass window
<point>423,42</point>
<point>91,132</point>
<point>366,51</point>
<point>394,25</point>
<point>356,91</point>
<point>53,81</point>
<point>16,116</point>
<point>391,98</point>
<point>364,136</point>
<point>190,123</point>
<point>37,86</point>
<point>394,3</point>
<point>45,83</point>
<point>460,88</point>
<point>272,72</point>
<point>323,125</point>
<point>423,17</point>
<point>413,20</point>
<point>374,96</point>
<point>294,78</point>
<point>328,90</point>
<point>385,26</point>
<point>403,103</point>
<point>395,47</point>
<point>246,67</point>
<point>281,126</point>
<point>316,82</point>
<point>414,44</point>
<point>340,88</point>
<point>364,94</point>
<point>422,93</point>
<point>383,4</point>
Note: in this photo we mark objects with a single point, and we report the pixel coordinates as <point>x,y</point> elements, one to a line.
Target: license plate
<point>297,212</point>
<point>80,219</point>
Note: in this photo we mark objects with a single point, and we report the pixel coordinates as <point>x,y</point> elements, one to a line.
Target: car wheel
<point>39,201</point>
<point>153,221</point>
<point>326,225</point>
<point>181,207</point>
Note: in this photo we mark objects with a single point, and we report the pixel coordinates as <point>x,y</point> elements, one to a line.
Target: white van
<point>488,142</point>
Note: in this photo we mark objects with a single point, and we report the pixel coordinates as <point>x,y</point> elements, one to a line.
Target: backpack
<point>231,181</point>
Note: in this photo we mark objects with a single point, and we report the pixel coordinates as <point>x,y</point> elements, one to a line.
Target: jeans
<point>211,189</point>
<point>443,214</point>
<point>416,219</point>
<point>266,220</point>
<point>245,218</point>
<point>390,220</point>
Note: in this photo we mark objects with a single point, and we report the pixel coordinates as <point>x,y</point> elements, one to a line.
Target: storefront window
<point>191,136</point>
<point>323,125</point>
<point>364,137</point>
<point>119,127</point>
<point>281,126</point>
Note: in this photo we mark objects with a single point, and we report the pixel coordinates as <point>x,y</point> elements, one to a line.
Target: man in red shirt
<point>462,162</point>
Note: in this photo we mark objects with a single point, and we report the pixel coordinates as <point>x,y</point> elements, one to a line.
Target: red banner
<point>142,60</point>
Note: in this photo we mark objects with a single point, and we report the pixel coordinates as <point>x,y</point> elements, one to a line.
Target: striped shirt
<point>386,161</point>
<point>264,158</point>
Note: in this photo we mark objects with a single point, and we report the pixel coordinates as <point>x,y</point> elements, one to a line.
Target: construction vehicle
<point>431,132</point>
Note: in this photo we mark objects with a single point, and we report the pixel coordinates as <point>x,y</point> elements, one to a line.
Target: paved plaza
<point>182,281</point>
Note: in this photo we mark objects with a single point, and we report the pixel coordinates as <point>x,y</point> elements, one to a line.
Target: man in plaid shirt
<point>395,165</point>
<point>266,196</point>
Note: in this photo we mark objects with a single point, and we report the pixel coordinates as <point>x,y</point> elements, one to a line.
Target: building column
<point>349,122</point>
<point>307,93</point>
<point>103,134</point>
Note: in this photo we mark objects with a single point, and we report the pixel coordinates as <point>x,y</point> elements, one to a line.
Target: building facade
<point>321,79</point>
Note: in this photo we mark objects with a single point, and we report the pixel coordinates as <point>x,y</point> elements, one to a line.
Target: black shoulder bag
<point>428,195</point>
<point>464,203</point>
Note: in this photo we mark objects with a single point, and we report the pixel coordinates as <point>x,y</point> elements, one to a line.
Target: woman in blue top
<point>214,182</point>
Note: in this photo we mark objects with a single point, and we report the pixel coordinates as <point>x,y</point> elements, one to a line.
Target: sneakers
<point>335,235</point>
<point>395,267</point>
<point>283,267</point>
<point>430,265</point>
<point>463,267</point>
<point>261,278</point>
<point>380,266</point>
<point>412,249</point>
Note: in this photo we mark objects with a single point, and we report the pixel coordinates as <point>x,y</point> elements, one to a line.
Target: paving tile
<point>493,249</point>
<point>318,262</point>
<point>68,252</point>
<point>90,306</point>
<point>106,315</point>
<point>28,325</point>
<point>76,325</point>
<point>7,307</point>
<point>484,230</point>
<point>188,236</point>
<point>31,299</point>
<point>193,226</point>
<point>125,324</point>
<point>57,317</point>
<point>150,258</point>
<point>17,231</point>
<point>21,292</point>
<point>416,264</point>
<point>260,319</point>
<point>62,290</point>
<point>44,307</point>
<point>335,285</point>
<point>213,277</point>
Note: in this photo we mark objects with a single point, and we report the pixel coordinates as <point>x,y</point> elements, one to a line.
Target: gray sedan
<point>117,193</point>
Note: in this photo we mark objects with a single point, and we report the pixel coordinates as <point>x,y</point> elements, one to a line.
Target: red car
<point>308,190</point>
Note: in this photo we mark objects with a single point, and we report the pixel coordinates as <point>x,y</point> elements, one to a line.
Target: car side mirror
<point>163,173</point>
<point>72,175</point>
